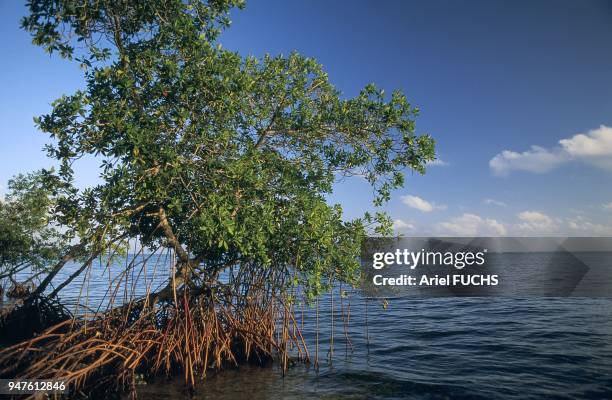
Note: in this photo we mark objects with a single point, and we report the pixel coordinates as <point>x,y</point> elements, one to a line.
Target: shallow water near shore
<point>444,348</point>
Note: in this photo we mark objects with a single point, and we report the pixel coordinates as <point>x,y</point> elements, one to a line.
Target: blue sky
<point>492,79</point>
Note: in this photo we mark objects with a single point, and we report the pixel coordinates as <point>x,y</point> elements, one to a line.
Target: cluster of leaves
<point>28,236</point>
<point>226,159</point>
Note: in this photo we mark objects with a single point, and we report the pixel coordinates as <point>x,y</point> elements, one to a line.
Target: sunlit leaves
<point>239,152</point>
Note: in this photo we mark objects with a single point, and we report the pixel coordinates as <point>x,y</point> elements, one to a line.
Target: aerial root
<point>188,336</point>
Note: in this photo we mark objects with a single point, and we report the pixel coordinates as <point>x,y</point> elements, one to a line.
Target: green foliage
<point>238,153</point>
<point>94,26</point>
<point>27,235</point>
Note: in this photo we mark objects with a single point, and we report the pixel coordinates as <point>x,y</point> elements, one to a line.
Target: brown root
<point>19,291</point>
<point>188,335</point>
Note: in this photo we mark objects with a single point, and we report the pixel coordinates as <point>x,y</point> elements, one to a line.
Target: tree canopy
<point>225,159</point>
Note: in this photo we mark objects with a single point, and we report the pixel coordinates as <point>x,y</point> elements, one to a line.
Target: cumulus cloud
<point>538,223</point>
<point>593,147</point>
<point>535,222</point>
<point>581,226</point>
<point>400,225</point>
<point>493,202</point>
<point>537,159</point>
<point>437,163</point>
<point>471,225</point>
<point>607,206</point>
<point>597,142</point>
<point>421,204</point>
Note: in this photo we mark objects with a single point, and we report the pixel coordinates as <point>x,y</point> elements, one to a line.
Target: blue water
<point>417,348</point>
<point>442,348</point>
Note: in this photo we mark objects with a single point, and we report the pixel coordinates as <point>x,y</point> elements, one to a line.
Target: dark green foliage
<point>227,160</point>
<point>27,235</point>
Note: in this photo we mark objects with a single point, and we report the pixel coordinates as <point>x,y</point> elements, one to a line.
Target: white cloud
<point>493,202</point>
<point>582,226</point>
<point>538,160</point>
<point>421,204</point>
<point>538,223</point>
<point>437,163</point>
<point>607,206</point>
<point>593,147</point>
<point>597,142</point>
<point>535,222</point>
<point>471,225</point>
<point>400,225</point>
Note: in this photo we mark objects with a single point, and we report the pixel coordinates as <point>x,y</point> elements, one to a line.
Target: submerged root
<point>187,336</point>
